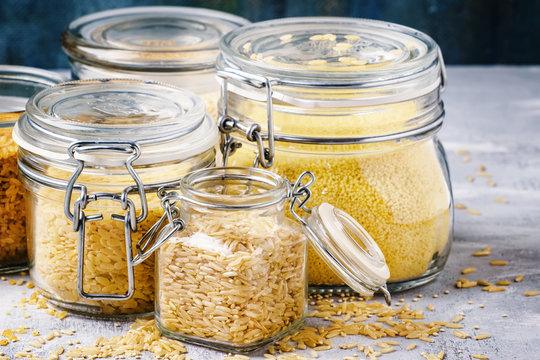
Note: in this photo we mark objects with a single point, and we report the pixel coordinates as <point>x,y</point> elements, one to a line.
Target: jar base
<point>13,268</point>
<point>229,347</point>
<point>87,310</point>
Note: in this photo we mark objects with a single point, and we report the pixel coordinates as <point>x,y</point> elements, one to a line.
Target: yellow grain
<point>484,252</point>
<point>461,334</point>
<point>493,288</point>
<point>479,356</point>
<point>498,263</point>
<point>531,293</point>
<point>410,346</point>
<point>519,278</point>
<point>474,212</point>
<point>460,206</point>
<point>503,282</point>
<point>482,336</point>
<point>468,270</point>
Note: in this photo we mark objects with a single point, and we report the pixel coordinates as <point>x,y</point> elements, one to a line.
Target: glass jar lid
<point>153,38</point>
<point>382,62</point>
<point>18,83</point>
<point>348,249</point>
<point>167,122</point>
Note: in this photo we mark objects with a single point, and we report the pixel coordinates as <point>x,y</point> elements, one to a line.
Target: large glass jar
<point>91,153</point>
<point>172,44</point>
<point>17,84</point>
<point>231,268</point>
<point>358,103</point>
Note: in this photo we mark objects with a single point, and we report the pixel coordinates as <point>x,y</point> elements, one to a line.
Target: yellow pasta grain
<point>468,270</point>
<point>461,334</point>
<point>410,346</point>
<point>12,204</point>
<point>482,336</point>
<point>484,252</point>
<point>479,356</point>
<point>498,263</point>
<point>519,278</point>
<point>531,293</point>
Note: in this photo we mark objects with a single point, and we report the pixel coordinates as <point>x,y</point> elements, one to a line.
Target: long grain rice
<point>261,293</point>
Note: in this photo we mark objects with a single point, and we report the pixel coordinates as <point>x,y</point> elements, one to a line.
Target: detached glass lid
<point>154,38</point>
<point>167,122</point>
<point>331,51</point>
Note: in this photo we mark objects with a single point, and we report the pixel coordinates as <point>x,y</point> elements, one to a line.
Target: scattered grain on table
<point>484,252</point>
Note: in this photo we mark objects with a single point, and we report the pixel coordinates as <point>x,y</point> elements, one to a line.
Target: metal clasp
<point>79,218</point>
<point>252,131</point>
<point>443,71</point>
<point>160,233</point>
<point>300,193</point>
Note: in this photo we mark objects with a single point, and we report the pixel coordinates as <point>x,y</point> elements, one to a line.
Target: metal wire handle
<point>79,218</point>
<point>252,131</point>
<point>160,233</point>
<point>300,193</point>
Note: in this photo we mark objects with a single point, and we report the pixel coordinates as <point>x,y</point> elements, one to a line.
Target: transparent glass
<point>17,84</point>
<point>172,135</point>
<point>357,103</point>
<point>172,44</point>
<point>235,278</point>
<point>53,244</point>
<point>399,191</point>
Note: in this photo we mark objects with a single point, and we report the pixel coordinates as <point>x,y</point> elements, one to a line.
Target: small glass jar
<point>90,155</point>
<point>172,44</point>
<point>17,84</point>
<point>231,268</point>
<point>358,103</point>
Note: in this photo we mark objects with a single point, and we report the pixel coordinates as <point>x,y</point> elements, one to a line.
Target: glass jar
<point>91,153</point>
<point>231,268</point>
<point>17,84</point>
<point>172,44</point>
<point>358,103</point>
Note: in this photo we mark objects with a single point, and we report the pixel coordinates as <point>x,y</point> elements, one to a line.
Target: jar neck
<point>235,188</point>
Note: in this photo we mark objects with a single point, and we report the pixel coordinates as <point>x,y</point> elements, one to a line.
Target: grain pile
<point>236,277</point>
<point>12,207</point>
<point>396,191</point>
<point>142,336</point>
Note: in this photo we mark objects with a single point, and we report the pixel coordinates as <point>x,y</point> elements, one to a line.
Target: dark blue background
<point>468,31</point>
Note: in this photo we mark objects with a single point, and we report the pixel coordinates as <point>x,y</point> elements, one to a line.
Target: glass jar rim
<point>273,188</point>
<point>152,115</point>
<point>149,38</point>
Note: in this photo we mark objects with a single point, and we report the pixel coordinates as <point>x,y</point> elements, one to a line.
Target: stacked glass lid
<point>155,39</point>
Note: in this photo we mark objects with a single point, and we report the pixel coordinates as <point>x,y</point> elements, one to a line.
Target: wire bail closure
<point>160,233</point>
<point>79,218</point>
<point>252,131</point>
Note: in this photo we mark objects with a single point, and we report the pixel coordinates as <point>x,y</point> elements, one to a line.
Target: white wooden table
<point>494,112</point>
